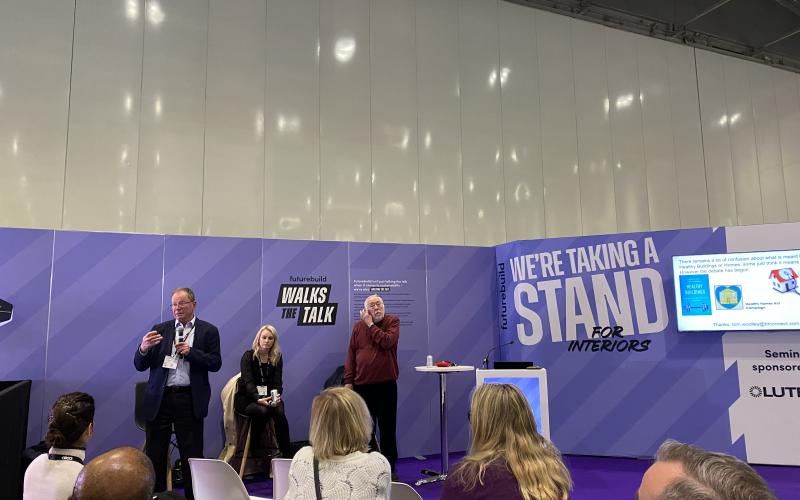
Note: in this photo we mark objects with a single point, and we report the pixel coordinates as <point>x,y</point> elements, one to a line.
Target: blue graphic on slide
<point>728,296</point>
<point>695,295</point>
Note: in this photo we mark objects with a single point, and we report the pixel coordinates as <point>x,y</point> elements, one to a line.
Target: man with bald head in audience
<point>120,474</point>
<point>686,472</point>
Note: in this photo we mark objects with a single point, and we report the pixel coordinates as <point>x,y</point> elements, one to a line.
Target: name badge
<point>170,363</point>
<point>263,390</point>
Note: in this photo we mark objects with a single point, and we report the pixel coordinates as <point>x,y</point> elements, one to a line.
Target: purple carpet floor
<point>595,478</point>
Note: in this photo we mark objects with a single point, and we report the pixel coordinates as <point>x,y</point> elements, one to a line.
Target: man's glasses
<point>181,304</point>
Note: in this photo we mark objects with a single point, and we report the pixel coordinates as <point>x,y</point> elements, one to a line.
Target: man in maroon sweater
<point>371,370</point>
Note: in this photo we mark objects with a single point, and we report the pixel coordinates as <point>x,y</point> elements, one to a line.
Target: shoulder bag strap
<point>317,487</point>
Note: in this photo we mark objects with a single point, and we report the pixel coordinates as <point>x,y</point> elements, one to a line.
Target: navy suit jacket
<point>203,357</point>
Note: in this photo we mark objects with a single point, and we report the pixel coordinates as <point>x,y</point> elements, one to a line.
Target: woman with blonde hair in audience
<point>69,427</point>
<point>336,465</point>
<point>508,458</point>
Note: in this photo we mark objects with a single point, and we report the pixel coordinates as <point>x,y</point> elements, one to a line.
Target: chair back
<point>280,477</point>
<point>402,491</point>
<point>214,480</point>
<point>141,387</point>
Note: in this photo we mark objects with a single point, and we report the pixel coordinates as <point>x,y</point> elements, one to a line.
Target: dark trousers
<point>381,399</point>
<point>176,409</point>
<point>260,415</point>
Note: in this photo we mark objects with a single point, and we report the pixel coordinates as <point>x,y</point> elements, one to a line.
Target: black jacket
<point>204,357</point>
<point>247,390</point>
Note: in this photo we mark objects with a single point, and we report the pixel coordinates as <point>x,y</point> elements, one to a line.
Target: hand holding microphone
<point>181,346</point>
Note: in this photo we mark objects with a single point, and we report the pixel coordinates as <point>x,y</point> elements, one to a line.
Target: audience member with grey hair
<point>119,474</point>
<point>686,472</point>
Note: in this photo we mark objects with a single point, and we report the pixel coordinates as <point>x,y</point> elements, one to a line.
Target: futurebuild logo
<point>774,392</point>
<point>6,312</point>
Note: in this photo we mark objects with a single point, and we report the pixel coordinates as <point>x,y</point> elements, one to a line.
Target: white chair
<point>402,491</point>
<point>280,477</point>
<point>214,480</point>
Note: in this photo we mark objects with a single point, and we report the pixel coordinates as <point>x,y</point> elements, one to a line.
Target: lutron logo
<point>774,392</point>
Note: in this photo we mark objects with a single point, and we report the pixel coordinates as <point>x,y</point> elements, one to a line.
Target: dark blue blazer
<point>203,357</point>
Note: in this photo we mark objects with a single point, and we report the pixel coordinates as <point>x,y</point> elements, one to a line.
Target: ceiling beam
<point>706,12</point>
<point>657,28</point>
<point>791,5</point>
<point>761,50</point>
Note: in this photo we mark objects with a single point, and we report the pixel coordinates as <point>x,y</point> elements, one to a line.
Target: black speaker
<point>14,400</point>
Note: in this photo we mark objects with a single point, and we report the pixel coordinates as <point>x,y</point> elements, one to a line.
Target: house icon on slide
<point>784,279</point>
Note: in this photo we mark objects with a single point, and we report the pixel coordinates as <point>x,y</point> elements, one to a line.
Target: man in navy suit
<point>179,354</point>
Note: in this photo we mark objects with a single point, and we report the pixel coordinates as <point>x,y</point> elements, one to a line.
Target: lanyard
<point>261,369</point>
<point>67,458</point>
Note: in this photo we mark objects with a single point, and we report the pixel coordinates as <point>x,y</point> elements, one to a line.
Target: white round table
<point>442,371</point>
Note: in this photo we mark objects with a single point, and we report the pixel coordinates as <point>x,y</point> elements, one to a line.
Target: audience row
<point>508,458</point>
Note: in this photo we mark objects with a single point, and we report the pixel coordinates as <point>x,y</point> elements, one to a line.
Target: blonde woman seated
<point>262,373</point>
<point>508,458</point>
<point>340,431</point>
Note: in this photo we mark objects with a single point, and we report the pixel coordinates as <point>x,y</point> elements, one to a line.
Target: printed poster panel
<point>599,313</point>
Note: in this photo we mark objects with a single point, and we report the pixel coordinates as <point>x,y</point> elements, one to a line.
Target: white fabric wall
<point>439,121</point>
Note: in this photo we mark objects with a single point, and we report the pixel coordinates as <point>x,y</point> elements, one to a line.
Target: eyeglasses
<point>181,304</point>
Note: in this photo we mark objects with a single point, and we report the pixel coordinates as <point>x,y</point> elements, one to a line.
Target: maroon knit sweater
<point>372,353</point>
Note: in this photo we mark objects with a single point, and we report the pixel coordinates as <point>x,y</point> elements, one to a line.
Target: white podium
<point>442,475</point>
<point>532,383</point>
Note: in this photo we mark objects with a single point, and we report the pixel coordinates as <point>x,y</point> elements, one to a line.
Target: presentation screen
<point>737,291</point>
<point>532,383</point>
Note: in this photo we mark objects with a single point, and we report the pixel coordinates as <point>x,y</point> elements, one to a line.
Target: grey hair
<point>710,475</point>
<point>373,295</point>
<point>188,292</point>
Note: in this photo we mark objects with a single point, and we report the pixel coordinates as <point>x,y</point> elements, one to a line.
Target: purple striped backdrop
<point>462,325</point>
<point>106,294</point>
<point>407,299</point>
<point>225,274</point>
<point>109,289</point>
<point>26,258</point>
<point>311,353</point>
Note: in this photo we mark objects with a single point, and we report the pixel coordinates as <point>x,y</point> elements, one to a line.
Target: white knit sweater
<point>357,476</point>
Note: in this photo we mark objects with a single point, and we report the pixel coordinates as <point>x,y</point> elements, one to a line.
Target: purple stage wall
<point>462,322</point>
<point>311,353</point>
<point>108,289</point>
<point>104,287</point>
<point>397,273</point>
<point>25,263</point>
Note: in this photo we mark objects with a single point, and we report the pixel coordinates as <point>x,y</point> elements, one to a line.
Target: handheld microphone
<point>486,358</point>
<point>179,333</point>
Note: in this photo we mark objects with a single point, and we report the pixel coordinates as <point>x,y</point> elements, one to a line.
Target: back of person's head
<point>340,423</point>
<point>503,427</point>
<point>69,419</point>
<point>120,474</point>
<point>686,472</point>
